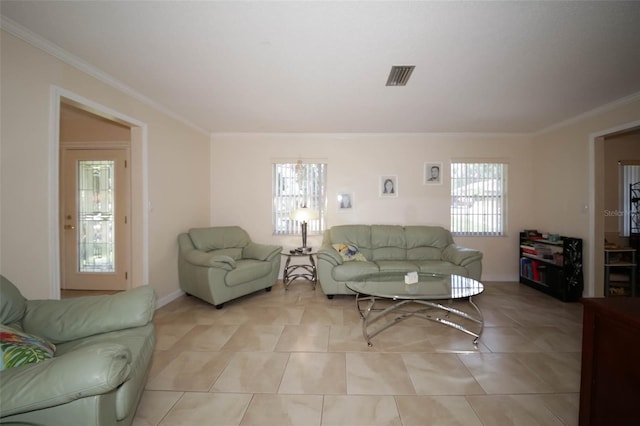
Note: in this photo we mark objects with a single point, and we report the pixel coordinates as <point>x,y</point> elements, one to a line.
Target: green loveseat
<point>103,349</point>
<point>383,248</point>
<point>218,264</point>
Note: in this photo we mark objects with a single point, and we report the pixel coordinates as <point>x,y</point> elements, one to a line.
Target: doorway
<point>95,201</point>
<point>598,204</point>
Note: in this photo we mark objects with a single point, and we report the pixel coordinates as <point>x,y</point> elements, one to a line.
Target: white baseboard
<point>168,298</point>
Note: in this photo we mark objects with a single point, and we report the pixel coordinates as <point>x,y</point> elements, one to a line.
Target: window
<point>629,198</point>
<point>298,184</point>
<point>478,198</point>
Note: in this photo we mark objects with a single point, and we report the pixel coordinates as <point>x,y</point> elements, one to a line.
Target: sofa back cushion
<point>388,242</point>
<point>220,238</point>
<point>427,242</point>
<point>357,235</point>
<point>12,302</point>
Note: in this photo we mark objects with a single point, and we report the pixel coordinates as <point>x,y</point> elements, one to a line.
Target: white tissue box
<point>411,278</point>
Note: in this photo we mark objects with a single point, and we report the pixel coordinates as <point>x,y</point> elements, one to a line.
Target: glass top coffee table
<point>430,298</point>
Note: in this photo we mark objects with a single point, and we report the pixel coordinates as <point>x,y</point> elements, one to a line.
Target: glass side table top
<point>391,285</point>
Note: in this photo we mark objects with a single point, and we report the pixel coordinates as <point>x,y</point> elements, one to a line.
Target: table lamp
<point>303,215</point>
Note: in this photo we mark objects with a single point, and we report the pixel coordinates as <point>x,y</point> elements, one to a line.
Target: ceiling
<point>321,67</point>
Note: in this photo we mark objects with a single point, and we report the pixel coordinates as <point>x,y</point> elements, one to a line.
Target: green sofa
<point>103,349</point>
<point>218,264</point>
<point>382,248</point>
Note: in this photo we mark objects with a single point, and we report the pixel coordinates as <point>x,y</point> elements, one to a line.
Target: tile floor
<point>297,358</point>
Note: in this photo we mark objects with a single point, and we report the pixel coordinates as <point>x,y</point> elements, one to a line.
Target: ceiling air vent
<point>399,75</point>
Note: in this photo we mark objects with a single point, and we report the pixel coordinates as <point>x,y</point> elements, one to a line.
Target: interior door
<point>96,234</point>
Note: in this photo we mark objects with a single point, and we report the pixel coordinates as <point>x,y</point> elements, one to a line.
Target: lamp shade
<point>304,214</point>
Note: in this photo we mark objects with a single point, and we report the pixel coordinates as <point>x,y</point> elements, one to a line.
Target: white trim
<point>594,112</point>
<point>54,200</point>
<point>168,298</point>
<point>38,42</point>
<point>57,93</point>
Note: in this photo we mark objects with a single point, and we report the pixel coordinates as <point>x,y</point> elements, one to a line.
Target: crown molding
<point>594,112</point>
<point>56,51</point>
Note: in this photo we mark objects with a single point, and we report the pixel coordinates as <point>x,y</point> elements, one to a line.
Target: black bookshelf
<point>552,265</point>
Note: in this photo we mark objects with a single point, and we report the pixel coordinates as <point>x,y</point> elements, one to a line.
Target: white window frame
<point>298,183</point>
<point>478,198</point>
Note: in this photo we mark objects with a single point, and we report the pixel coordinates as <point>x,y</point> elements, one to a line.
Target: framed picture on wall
<point>432,173</point>
<point>388,186</point>
<point>345,201</point>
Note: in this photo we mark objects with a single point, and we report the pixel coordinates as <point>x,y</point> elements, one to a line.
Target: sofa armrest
<point>71,319</point>
<point>460,255</point>
<point>261,251</point>
<point>206,259</point>
<point>330,254</point>
<point>88,371</point>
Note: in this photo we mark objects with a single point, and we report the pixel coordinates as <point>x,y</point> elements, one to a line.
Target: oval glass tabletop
<point>429,286</point>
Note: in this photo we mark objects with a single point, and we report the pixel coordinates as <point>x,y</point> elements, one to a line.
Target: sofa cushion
<point>388,242</point>
<point>19,348</point>
<point>351,270</point>
<point>440,267</point>
<point>426,242</point>
<point>349,253</point>
<point>247,270</point>
<point>70,319</point>
<point>396,265</point>
<point>12,303</point>
<point>358,235</point>
<point>216,238</point>
<point>234,253</point>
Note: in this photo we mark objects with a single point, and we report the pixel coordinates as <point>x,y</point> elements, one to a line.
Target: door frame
<point>139,186</point>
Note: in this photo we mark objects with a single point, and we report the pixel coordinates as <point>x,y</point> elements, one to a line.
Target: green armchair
<point>218,264</point>
<point>103,349</point>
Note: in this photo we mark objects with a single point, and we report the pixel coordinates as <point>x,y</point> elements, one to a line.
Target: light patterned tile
<point>508,339</point>
<point>377,374</point>
<point>206,337</point>
<point>508,410</point>
<point>503,374</point>
<point>355,410</point>
<point>554,339</point>
<point>292,410</point>
<point>250,337</point>
<point>564,406</point>
<point>190,371</point>
<point>195,408</point>
<point>304,338</point>
<point>436,411</point>
<point>322,315</point>
<point>561,370</point>
<point>331,375</point>
<point>314,373</point>
<point>168,334</point>
<point>252,372</point>
<point>440,374</point>
<point>154,405</point>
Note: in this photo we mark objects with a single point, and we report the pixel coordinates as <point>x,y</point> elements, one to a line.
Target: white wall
<point>178,169</point>
<point>241,183</point>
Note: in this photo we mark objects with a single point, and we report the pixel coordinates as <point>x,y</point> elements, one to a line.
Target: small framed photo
<point>345,201</point>
<point>388,186</point>
<point>432,173</point>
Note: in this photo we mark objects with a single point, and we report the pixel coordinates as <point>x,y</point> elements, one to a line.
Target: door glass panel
<point>95,216</point>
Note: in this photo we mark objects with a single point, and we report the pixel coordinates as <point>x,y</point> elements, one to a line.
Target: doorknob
<point>69,227</point>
